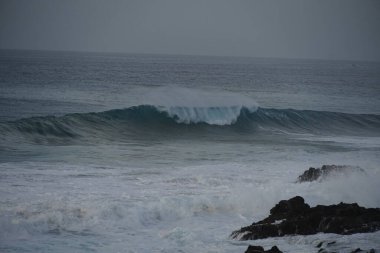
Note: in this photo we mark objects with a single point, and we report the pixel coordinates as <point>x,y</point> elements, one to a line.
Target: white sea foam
<point>170,209</point>
<point>195,106</point>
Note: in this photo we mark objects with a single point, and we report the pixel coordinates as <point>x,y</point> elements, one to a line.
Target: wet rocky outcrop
<point>295,217</point>
<point>313,174</point>
<point>358,250</point>
<point>259,249</point>
<point>324,247</point>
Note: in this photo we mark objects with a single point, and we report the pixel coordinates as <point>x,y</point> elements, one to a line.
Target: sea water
<point>155,153</point>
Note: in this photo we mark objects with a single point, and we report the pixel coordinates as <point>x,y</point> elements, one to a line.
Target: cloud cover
<point>328,29</point>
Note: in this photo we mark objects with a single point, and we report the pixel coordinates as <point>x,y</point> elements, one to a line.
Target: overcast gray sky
<point>335,29</point>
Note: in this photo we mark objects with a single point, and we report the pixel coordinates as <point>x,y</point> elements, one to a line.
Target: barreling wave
<point>148,119</point>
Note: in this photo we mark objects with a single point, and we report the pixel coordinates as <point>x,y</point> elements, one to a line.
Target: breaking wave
<point>149,118</point>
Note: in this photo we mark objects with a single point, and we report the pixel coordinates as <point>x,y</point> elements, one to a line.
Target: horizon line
<point>189,55</point>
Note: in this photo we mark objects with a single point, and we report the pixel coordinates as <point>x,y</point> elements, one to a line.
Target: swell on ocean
<point>184,110</point>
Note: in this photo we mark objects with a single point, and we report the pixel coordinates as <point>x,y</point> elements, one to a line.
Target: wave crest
<point>223,115</point>
<point>199,106</point>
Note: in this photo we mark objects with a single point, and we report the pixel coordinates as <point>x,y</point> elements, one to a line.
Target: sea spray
<point>200,106</point>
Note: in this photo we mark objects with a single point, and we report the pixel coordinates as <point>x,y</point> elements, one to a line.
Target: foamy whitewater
<point>147,153</point>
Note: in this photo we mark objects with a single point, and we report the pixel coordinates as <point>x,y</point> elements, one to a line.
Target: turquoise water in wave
<point>154,153</point>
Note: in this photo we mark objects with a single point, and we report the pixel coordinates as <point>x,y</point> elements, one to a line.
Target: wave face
<point>315,121</point>
<point>144,119</point>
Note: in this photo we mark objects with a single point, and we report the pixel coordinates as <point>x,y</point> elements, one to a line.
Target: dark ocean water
<point>142,153</point>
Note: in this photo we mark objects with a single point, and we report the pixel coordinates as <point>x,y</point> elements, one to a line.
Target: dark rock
<point>254,249</point>
<point>326,244</point>
<point>294,216</point>
<point>357,250</point>
<point>313,174</point>
<point>331,243</point>
<point>360,250</point>
<point>309,175</point>
<point>274,249</point>
<point>259,249</point>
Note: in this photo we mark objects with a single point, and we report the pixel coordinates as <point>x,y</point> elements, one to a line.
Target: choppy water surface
<point>147,153</point>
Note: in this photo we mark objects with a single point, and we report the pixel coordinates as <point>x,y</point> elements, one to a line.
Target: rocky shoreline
<point>295,217</point>
<point>274,249</point>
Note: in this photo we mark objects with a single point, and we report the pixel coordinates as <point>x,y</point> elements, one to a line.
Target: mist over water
<point>147,153</point>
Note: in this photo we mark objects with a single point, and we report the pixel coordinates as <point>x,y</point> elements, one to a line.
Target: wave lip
<point>215,115</point>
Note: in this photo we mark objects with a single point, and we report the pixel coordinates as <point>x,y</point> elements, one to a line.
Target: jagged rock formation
<point>294,216</point>
<point>313,174</point>
<point>259,249</point>
<point>323,245</point>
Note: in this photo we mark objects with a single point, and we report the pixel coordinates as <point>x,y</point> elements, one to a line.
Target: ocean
<point>162,153</point>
